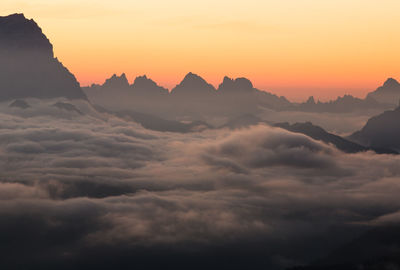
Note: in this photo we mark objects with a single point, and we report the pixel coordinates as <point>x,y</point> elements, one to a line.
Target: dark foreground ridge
<point>28,68</point>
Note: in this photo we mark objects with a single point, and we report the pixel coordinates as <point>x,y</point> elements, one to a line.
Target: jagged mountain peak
<point>117,81</point>
<point>193,79</point>
<point>144,80</point>
<point>145,85</point>
<point>390,82</point>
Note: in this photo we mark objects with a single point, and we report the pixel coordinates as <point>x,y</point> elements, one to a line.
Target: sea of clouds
<point>94,189</point>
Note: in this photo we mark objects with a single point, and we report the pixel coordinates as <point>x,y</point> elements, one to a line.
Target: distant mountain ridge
<point>28,67</point>
<point>193,97</point>
<point>344,104</point>
<point>232,94</point>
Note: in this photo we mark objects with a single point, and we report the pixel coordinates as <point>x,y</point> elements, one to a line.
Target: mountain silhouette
<point>192,87</point>
<point>28,67</point>
<point>193,98</point>
<point>116,94</point>
<point>19,103</point>
<point>381,131</point>
<point>389,92</point>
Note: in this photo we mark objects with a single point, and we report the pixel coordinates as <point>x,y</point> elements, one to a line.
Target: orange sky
<point>294,48</point>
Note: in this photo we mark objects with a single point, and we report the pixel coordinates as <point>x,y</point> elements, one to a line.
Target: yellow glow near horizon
<point>294,48</point>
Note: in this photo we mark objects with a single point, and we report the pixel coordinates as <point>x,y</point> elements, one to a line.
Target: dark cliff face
<point>27,64</point>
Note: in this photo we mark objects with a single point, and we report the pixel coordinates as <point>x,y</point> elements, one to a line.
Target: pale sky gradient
<point>294,48</point>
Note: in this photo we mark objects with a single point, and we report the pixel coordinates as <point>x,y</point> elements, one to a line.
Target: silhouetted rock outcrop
<point>28,67</point>
<point>19,103</point>
<point>389,92</point>
<point>382,131</point>
<point>67,107</point>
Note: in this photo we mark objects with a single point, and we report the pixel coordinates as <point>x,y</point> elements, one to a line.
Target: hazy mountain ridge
<point>344,104</point>
<point>233,97</point>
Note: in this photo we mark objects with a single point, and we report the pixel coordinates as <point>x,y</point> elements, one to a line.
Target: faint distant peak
<point>391,83</point>
<point>310,100</point>
<point>117,81</point>
<point>19,103</point>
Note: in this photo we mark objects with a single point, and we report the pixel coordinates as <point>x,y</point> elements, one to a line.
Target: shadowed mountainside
<point>28,67</point>
<point>380,131</point>
<point>318,133</point>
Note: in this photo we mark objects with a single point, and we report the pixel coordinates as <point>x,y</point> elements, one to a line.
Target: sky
<point>295,48</point>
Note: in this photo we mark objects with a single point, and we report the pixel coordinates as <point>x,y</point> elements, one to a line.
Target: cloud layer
<point>73,188</point>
